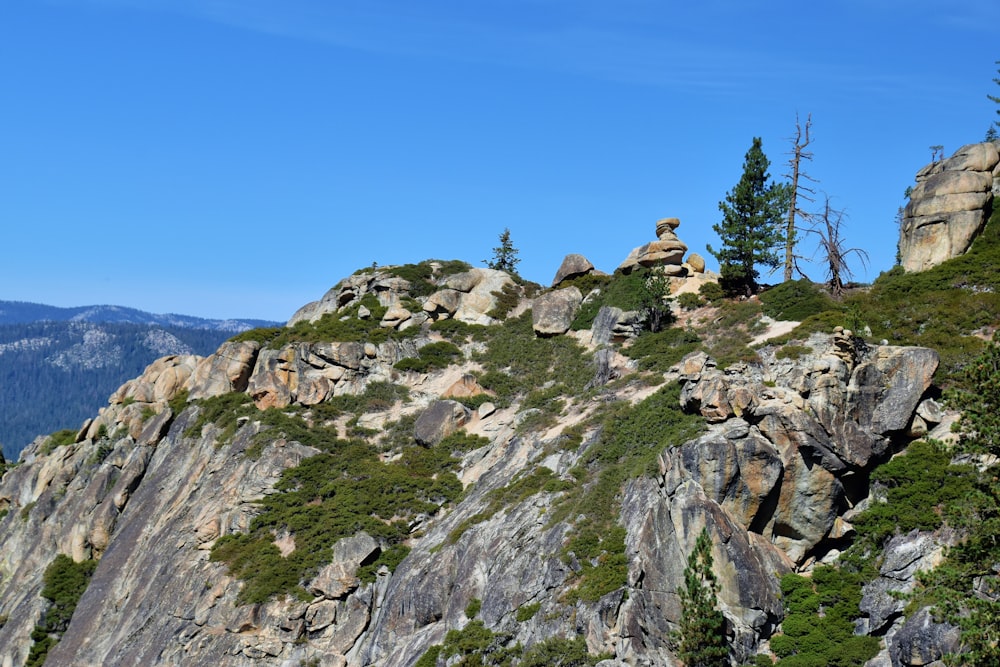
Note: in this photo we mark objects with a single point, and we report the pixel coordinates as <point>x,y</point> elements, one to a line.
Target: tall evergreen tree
<point>750,230</point>
<point>700,640</point>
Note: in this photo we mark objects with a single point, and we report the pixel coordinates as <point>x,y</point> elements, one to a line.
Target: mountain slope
<point>564,514</point>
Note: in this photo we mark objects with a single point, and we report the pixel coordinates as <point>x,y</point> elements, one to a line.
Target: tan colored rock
<point>394,317</point>
<point>161,380</point>
<point>948,206</point>
<point>573,266</point>
<point>667,251</point>
<point>226,371</point>
<point>696,262</point>
<point>666,227</point>
<point>553,312</point>
<point>464,387</point>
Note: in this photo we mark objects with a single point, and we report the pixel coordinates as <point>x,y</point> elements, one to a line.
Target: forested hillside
<point>54,375</point>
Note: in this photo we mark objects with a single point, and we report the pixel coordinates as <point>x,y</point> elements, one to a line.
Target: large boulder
<point>949,206</point>
<point>573,266</point>
<point>553,312</point>
<point>439,420</point>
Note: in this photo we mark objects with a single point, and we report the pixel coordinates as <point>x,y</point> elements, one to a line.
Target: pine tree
<point>504,255</point>
<point>750,230</point>
<point>700,639</point>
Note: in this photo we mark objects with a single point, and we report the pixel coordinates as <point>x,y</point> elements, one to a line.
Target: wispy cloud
<point>702,49</point>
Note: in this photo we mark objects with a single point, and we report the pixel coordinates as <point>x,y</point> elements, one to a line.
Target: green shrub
<point>223,411</point>
<point>458,331</point>
<point>517,362</point>
<point>712,292</point>
<point>561,652</point>
<point>64,582</point>
<point>689,301</point>
<point>472,609</point>
<point>335,494</point>
<point>432,356</point>
<point>422,276</point>
<point>819,620</point>
<point>527,612</point>
<point>792,352</point>
<point>178,402</point>
<point>507,300</point>
<point>628,292</point>
<point>661,350</point>
<point>262,335</point>
<point>61,438</point>
<point>795,300</point>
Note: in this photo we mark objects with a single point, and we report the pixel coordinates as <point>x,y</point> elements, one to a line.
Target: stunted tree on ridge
<point>797,189</point>
<point>504,255</point>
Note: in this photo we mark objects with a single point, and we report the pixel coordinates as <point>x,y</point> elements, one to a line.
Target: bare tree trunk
<point>798,154</point>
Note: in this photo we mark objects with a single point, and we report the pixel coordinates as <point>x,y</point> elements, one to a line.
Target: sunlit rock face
<point>949,206</point>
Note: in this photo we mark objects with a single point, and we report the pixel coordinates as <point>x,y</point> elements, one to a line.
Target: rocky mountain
<point>60,364</point>
<point>437,465</point>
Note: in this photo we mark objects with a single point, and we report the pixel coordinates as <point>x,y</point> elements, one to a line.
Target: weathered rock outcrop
<point>666,252</point>
<point>573,266</point>
<point>949,206</point>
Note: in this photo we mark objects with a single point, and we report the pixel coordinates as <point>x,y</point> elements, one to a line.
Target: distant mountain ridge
<point>59,365</point>
<point>23,312</point>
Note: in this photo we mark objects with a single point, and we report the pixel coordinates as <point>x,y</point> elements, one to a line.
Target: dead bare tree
<point>827,225</point>
<point>796,190</point>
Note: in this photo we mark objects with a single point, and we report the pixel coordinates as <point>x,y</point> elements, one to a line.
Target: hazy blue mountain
<point>22,312</point>
<point>58,366</point>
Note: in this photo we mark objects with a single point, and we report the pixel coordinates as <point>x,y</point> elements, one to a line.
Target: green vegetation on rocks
<point>943,307</point>
<point>345,489</point>
<point>431,357</point>
<point>517,362</point>
<point>629,440</point>
<point>64,583</point>
<point>818,628</point>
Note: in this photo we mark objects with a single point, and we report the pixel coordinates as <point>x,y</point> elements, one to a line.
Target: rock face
<point>771,477</point>
<point>949,206</point>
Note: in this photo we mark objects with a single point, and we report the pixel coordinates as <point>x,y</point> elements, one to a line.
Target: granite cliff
<point>771,457</point>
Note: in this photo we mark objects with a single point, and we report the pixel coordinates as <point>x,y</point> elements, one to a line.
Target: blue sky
<point>236,158</point>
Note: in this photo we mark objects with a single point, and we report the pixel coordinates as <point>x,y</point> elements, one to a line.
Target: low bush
<point>795,300</point>
<point>517,362</point>
<point>661,350</point>
<point>432,356</point>
<point>689,301</point>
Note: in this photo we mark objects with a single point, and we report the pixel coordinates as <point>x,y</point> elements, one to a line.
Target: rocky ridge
<point>147,489</point>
